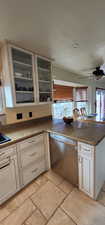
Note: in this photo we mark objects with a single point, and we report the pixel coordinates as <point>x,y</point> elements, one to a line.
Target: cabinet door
<point>44,80</point>
<point>8,179</point>
<point>23,76</point>
<point>86,175</point>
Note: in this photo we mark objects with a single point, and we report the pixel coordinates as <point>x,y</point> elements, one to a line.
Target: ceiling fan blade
<point>86,77</point>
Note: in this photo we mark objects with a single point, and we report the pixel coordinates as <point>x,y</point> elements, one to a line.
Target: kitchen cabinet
<point>23,75</point>
<point>44,80</point>
<point>26,77</point>
<point>86,168</point>
<point>32,160</point>
<point>18,76</point>
<point>9,174</point>
<point>22,163</point>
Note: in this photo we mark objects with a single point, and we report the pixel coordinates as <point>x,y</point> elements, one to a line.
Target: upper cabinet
<point>44,80</point>
<point>27,77</point>
<point>23,76</point>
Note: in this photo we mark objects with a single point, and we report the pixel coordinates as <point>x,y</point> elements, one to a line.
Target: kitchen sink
<point>4,138</point>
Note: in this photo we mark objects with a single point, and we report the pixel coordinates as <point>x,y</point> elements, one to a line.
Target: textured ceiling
<point>51,28</point>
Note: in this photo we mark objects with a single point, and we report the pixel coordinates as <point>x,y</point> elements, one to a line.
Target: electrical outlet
<point>30,114</point>
<point>19,116</point>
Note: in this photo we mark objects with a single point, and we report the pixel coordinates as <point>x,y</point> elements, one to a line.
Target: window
<point>63,96</point>
<point>81,94</point>
<point>61,109</point>
<point>100,102</point>
<point>81,97</point>
<point>82,104</point>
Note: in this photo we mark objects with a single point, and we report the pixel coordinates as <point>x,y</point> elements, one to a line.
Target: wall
<point>38,112</point>
<point>64,75</point>
<point>46,110</point>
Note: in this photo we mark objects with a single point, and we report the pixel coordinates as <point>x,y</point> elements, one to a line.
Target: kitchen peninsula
<point>90,148</point>
<point>94,119</point>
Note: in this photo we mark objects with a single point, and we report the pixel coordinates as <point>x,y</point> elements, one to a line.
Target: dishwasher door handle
<point>63,139</point>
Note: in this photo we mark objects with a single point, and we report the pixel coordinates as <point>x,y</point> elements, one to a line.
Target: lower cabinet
<point>22,163</point>
<point>9,176</point>
<point>86,168</point>
<point>32,158</point>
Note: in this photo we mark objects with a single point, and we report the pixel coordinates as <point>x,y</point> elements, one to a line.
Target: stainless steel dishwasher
<point>64,159</point>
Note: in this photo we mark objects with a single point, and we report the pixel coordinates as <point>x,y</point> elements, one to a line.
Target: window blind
<point>81,94</point>
<point>61,92</point>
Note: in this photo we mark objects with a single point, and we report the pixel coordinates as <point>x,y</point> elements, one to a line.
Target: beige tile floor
<point>50,200</point>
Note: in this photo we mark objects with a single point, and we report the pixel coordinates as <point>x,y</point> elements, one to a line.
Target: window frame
<point>2,100</point>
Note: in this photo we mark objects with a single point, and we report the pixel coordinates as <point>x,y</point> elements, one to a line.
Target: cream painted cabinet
<point>86,168</point>
<point>9,173</point>
<point>26,77</point>
<point>19,76</point>
<point>32,158</point>
<point>44,69</point>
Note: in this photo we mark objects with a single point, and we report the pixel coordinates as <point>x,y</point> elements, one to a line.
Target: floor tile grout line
<point>68,215</point>
<point>38,209</point>
<point>15,210</point>
<point>23,201</point>
<point>29,216</point>
<point>59,204</point>
<point>57,208</point>
<point>64,191</point>
<point>29,197</point>
<point>53,181</point>
<point>57,185</point>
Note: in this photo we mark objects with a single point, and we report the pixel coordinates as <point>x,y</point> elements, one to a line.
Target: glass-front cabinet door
<point>23,74</point>
<point>44,80</point>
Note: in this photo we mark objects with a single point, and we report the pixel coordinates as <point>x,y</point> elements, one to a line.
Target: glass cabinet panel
<point>44,80</point>
<point>23,76</point>
<point>21,56</point>
<point>44,87</point>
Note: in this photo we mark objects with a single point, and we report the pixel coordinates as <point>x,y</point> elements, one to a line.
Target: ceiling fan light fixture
<point>97,77</point>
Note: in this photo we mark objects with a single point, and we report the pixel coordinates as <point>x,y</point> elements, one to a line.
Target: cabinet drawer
<point>31,172</point>
<point>85,150</point>
<point>5,152</point>
<point>31,141</point>
<point>33,151</point>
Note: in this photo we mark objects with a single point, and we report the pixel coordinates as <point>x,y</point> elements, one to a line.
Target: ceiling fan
<point>96,73</point>
<point>99,72</point>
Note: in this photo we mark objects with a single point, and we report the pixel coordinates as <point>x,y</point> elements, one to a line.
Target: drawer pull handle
<point>87,150</point>
<point>33,171</point>
<point>31,141</point>
<point>34,153</point>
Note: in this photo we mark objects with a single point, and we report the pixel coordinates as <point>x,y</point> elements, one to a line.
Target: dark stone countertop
<point>90,133</point>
